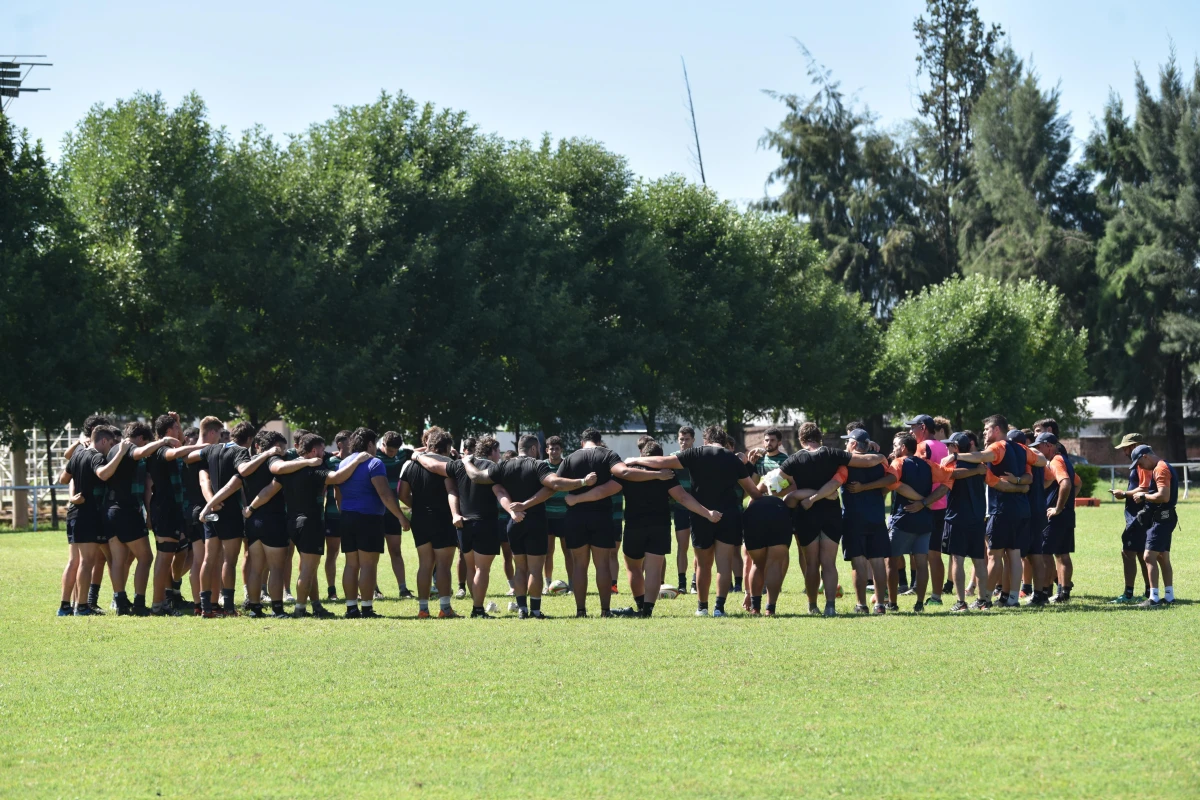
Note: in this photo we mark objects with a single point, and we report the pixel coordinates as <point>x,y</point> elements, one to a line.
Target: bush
<point>1089,475</point>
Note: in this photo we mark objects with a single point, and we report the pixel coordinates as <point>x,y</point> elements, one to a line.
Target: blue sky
<point>609,71</point>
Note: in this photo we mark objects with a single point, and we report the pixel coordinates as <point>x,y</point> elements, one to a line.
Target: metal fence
<point>33,489</point>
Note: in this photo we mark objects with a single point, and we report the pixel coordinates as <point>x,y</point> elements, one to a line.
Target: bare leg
<point>602,559</point>
<point>580,556</point>
<point>333,546</point>
<point>704,565</point>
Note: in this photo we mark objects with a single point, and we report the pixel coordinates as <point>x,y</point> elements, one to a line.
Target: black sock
<point>277,606</point>
<point>702,606</point>
<point>1027,588</point>
<point>139,601</point>
<point>177,586</point>
<point>65,605</point>
<point>771,607</point>
<point>720,603</point>
<point>756,602</point>
<point>93,594</point>
<point>476,611</point>
<point>737,585</point>
<point>227,598</point>
<point>647,609</point>
<point>535,604</point>
<point>206,602</point>
<point>682,579</point>
<point>332,590</point>
<point>903,577</point>
<point>614,586</point>
<point>521,601</point>
<point>462,585</point>
<point>639,600</point>
<point>581,612</point>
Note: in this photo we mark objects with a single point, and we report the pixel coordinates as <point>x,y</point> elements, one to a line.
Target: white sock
<point>351,603</point>
<point>302,607</point>
<point>1170,593</point>
<point>1154,593</point>
<point>368,603</point>
<point>1015,596</point>
<point>445,602</point>
<point>424,603</point>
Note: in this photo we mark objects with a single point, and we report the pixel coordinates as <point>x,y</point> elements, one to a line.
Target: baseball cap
<point>1046,438</point>
<point>1139,451</point>
<point>921,419</point>
<point>1130,440</point>
<point>1017,435</point>
<point>859,435</point>
<point>961,441</point>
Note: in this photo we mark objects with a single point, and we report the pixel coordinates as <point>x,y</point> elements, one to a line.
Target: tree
<point>975,346</point>
<point>54,325</point>
<point>1148,260</point>
<point>956,53</point>
<point>1032,214</point>
<point>857,189</point>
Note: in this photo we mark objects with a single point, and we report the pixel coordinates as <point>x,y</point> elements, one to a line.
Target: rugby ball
<point>667,592</point>
<point>558,588</point>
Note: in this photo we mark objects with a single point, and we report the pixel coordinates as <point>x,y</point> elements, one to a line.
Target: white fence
<point>1118,475</point>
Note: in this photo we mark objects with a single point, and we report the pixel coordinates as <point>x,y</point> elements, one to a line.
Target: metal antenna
<point>11,79</point>
<point>695,130</point>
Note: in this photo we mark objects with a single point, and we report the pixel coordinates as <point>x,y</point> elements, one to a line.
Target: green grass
<point>1088,700</point>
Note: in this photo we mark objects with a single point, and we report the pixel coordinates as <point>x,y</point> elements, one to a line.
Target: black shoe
<point>321,612</point>
<point>165,611</point>
<point>254,611</point>
<point>300,613</point>
<point>624,612</point>
<point>280,614</point>
<point>1038,599</point>
<point>352,612</point>
<point>378,594</point>
<point>480,614</point>
<point>94,610</point>
<point>605,614</point>
<point>406,594</point>
<point>892,607</point>
<point>948,587</point>
<point>919,607</point>
<point>139,611</point>
<point>580,613</point>
<point>1148,603</point>
<point>369,613</point>
<point>331,595</point>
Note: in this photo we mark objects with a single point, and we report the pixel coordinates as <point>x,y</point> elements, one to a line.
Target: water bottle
<point>211,517</point>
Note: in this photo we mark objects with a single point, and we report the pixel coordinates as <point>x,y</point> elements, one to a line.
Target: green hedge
<point>1089,475</point>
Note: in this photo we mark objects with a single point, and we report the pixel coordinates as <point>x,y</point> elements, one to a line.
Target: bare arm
<point>268,491</point>
<point>542,495</point>
<point>110,467</point>
<point>282,467</point>
<point>452,498</point>
<point>227,491</point>
<point>750,488</point>
<point>506,503</point>
<point>380,482</point>
<point>138,453</point>
<point>405,492</point>
<point>206,486</point>
<point>182,451</point>
<point>1010,488</point>
<point>937,494</point>
<point>250,466</point>
<point>344,471</point>
<point>652,462</point>
<point>825,492</point>
<point>148,491</point>
<point>1064,496</point>
<point>434,463</point>
<point>866,460</point>
<point>595,493</point>
<point>685,499</point>
<point>476,474</point>
<point>623,472</point>
<point>559,484</point>
<point>979,457</point>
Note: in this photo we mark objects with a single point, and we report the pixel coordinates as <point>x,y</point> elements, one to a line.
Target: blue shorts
<point>1005,532</point>
<point>1158,534</point>
<point>965,539</point>
<point>682,517</point>
<point>861,539</point>
<point>905,543</point>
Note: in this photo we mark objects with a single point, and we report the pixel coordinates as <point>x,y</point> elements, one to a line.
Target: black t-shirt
<point>428,489</point>
<point>475,500</point>
<point>521,477</point>
<point>221,461</point>
<point>304,492</point>
<point>812,469</point>
<point>191,484</point>
<point>647,502</point>
<point>599,460</point>
<point>120,485</point>
<point>161,471</point>
<point>260,479</point>
<point>82,469</point>
<point>715,475</point>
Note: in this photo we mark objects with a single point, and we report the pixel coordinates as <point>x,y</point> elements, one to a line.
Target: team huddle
<point>1003,504</point>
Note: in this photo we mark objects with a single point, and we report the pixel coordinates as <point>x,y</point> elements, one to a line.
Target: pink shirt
<point>934,451</point>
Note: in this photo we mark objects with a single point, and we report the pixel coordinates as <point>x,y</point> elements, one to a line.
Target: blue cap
<point>1017,435</point>
<point>922,419</point>
<point>1141,450</point>
<point>1046,437</point>
<point>961,441</point>
<point>859,435</point>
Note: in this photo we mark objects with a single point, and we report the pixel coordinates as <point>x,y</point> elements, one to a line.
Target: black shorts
<point>308,534</point>
<point>125,523</point>
<point>167,521</point>
<point>642,539</point>
<point>1133,538</point>
<point>1006,532</point>
<point>362,533</point>
<point>268,527</point>
<point>590,525</point>
<point>706,534</point>
<point>85,528</point>
<point>229,525</point>
<point>433,528</point>
<point>556,527</point>
<point>1162,526</point>
<point>479,536</point>
<point>391,525</point>
<point>502,527</point>
<point>821,519</point>
<point>618,527</point>
<point>682,517</point>
<point>193,528</point>
<point>767,522</point>
<point>1038,533</point>
<point>965,539</point>
<point>864,539</point>
<point>333,526</point>
<point>529,537</point>
<point>1063,536</point>
<point>939,524</point>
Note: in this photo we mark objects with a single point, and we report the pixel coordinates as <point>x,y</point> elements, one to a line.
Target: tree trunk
<point>20,515</point>
<point>1173,410</point>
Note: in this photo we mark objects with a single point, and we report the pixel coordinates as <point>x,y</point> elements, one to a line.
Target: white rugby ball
<point>667,592</point>
<point>558,587</point>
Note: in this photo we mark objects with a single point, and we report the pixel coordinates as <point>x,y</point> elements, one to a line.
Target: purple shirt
<point>358,493</point>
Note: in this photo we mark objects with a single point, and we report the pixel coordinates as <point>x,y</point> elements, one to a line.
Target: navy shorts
<point>862,539</point>
<point>1133,538</point>
<point>530,537</point>
<point>479,536</point>
<point>939,524</point>
<point>1006,532</point>
<point>391,525</point>
<point>1162,526</point>
<point>333,527</point>
<point>502,528</point>
<point>965,539</point>
<point>706,534</point>
<point>1064,537</point>
<point>433,528</point>
<point>590,525</point>
<point>362,533</point>
<point>307,534</point>
<point>643,539</point>
<point>85,528</point>
<point>125,523</point>
<point>268,527</point>
<point>766,522</point>
<point>682,518</point>
<point>820,519</point>
<point>618,527</point>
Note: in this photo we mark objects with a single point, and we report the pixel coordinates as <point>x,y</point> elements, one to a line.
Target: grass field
<point>1087,700</point>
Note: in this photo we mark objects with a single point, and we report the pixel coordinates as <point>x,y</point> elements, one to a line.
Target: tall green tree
<point>975,346</point>
<point>1147,262</point>
<point>956,54</point>
<point>1033,214</point>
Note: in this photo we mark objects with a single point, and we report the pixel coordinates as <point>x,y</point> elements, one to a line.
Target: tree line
<point>395,266</point>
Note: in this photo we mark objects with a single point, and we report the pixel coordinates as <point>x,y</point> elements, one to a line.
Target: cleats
<point>84,611</point>
<point>537,615</point>
<point>280,614</point>
<point>701,612</point>
<point>625,612</point>
<point>64,612</point>
<point>378,594</point>
<point>321,612</point>
<point>522,613</point>
<point>718,612</point>
<point>423,614</point>
<point>300,613</point>
<point>879,610</point>
<point>287,597</point>
<point>919,608</point>
<point>460,594</point>
<point>352,612</point>
<point>859,608</point>
<point>512,606</point>
<point>947,587</point>
<point>448,613</point>
<point>958,607</point>
<point>981,605</point>
<point>933,601</point>
<point>331,595</point>
<point>1148,603</point>
<point>830,611</point>
<point>892,607</point>
<point>492,608</point>
<point>406,594</point>
<point>368,613</point>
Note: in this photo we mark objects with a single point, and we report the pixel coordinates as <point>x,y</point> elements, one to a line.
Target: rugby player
<point>964,529</point>
<point>1057,514</point>
<point>1157,494</point>
<point>925,428</point>
<point>1034,572</point>
<point>221,480</point>
<point>333,517</point>
<point>556,515</point>
<point>266,523</point>
<point>1066,543</point>
<point>911,525</point>
<point>394,458</point>
<point>682,518</point>
<point>1133,537</point>
<point>85,528</point>
<point>435,521</point>
<point>865,541</point>
<point>166,508</point>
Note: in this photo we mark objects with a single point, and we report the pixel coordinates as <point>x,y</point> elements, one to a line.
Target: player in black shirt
<point>394,458</point>
<point>590,523</point>
<point>128,537</point>
<point>166,510</point>
<point>717,474</point>
<point>85,532</point>
<point>266,524</point>
<point>434,523</point>
<point>220,480</point>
